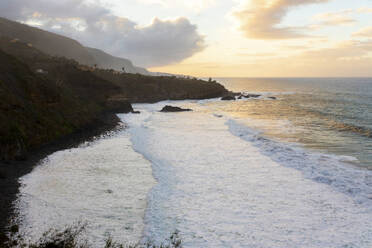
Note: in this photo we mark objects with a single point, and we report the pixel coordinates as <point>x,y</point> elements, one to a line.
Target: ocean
<point>325,114</point>
<point>294,171</point>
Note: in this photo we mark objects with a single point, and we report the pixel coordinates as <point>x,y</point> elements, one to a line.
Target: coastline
<point>237,136</point>
<point>53,103</point>
<point>11,171</point>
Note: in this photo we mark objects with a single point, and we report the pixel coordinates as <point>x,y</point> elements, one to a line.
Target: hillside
<point>37,108</point>
<point>106,61</point>
<point>39,91</point>
<point>138,88</point>
<point>58,45</point>
<point>47,42</point>
<point>40,115</point>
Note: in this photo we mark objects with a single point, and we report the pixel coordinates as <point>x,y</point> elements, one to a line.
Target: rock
<point>251,96</point>
<point>119,106</point>
<point>228,98</point>
<point>272,97</point>
<point>136,112</point>
<point>4,239</point>
<point>14,229</point>
<point>240,97</point>
<point>168,108</point>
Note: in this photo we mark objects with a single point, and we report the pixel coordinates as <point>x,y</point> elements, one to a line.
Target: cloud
<point>194,5</point>
<point>345,59</point>
<point>365,10</point>
<point>335,18</point>
<point>160,43</point>
<point>346,50</point>
<point>295,47</point>
<point>364,32</point>
<point>255,55</point>
<point>261,19</point>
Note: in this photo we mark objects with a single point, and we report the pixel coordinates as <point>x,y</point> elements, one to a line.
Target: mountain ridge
<point>62,46</point>
<point>106,61</point>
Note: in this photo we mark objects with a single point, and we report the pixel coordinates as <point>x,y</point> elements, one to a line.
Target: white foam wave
<point>219,182</point>
<point>325,168</point>
<point>104,183</point>
<point>219,190</point>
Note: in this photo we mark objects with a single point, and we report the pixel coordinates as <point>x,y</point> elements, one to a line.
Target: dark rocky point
<point>168,108</point>
<point>228,98</point>
<point>119,106</point>
<point>251,96</point>
<point>272,97</point>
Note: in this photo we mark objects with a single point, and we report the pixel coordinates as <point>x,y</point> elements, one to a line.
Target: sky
<point>216,38</point>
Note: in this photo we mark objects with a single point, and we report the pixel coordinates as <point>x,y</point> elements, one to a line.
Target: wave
<point>336,120</point>
<point>103,183</point>
<point>345,127</point>
<point>323,168</point>
<point>332,122</point>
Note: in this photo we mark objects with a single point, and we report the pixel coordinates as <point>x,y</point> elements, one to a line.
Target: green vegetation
<point>72,237</point>
<point>36,109</point>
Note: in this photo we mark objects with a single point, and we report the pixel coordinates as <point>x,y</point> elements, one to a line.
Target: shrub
<point>71,237</point>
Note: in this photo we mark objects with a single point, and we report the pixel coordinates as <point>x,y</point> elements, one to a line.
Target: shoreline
<point>234,132</point>
<point>10,172</point>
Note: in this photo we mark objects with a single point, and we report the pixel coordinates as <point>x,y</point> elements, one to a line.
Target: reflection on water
<point>324,114</point>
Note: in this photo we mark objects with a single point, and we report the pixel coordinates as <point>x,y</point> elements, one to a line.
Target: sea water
<point>289,172</point>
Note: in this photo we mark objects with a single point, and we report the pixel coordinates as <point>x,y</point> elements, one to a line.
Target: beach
<point>212,175</point>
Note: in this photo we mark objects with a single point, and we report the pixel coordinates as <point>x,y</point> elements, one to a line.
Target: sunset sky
<point>240,38</point>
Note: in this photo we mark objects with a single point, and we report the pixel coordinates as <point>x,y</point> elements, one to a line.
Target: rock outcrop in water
<point>168,108</point>
<point>117,105</point>
<point>228,98</point>
<point>251,96</point>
